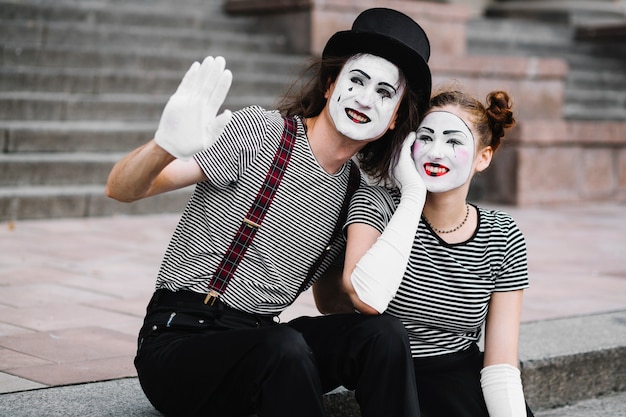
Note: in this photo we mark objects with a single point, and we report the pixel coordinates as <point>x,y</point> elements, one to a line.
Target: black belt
<point>194,302</point>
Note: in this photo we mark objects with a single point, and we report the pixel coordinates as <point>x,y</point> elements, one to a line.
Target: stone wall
<point>556,161</point>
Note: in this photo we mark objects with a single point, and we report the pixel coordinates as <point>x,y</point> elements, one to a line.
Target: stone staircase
<point>596,82</point>
<point>83,82</point>
<point>576,12</point>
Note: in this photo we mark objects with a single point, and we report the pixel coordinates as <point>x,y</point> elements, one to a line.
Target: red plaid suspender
<point>252,221</point>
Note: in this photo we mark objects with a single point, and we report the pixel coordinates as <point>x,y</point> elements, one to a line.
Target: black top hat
<point>392,35</point>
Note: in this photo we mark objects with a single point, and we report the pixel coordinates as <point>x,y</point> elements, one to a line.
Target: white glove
<point>502,390</point>
<point>409,181</point>
<point>378,274</point>
<point>189,123</point>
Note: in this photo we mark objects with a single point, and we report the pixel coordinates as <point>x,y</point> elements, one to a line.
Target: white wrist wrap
<point>377,275</point>
<point>502,390</point>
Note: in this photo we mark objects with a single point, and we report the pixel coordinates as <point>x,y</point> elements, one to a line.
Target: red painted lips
<point>435,170</point>
<point>356,116</point>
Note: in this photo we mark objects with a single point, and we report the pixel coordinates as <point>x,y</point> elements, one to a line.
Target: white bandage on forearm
<point>502,390</point>
<point>377,275</point>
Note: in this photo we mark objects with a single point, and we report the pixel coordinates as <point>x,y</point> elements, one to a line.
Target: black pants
<point>449,385</point>
<point>214,361</point>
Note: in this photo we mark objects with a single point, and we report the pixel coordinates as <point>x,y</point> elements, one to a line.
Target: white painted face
<point>365,97</point>
<point>444,151</point>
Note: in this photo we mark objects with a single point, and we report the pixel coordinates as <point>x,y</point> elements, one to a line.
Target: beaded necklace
<point>451,230</point>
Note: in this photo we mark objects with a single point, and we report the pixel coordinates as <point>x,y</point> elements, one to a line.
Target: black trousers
<point>195,360</point>
<point>449,385</point>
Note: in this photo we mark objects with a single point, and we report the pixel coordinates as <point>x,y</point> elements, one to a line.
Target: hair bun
<point>500,113</point>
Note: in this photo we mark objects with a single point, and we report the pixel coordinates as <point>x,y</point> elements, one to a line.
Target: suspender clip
<point>251,224</point>
<point>211,297</point>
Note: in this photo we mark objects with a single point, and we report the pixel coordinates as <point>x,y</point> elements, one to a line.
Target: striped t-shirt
<point>295,230</point>
<point>444,295</point>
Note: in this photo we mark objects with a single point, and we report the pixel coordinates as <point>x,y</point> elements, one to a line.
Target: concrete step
<point>542,39</point>
<point>595,79</point>
<point>67,56</point>
<point>165,14</point>
<point>598,62</point>
<point>88,81</point>
<point>49,202</point>
<point>595,98</point>
<point>17,57</point>
<point>585,112</point>
<point>571,11</point>
<point>517,32</point>
<point>82,136</point>
<point>26,105</point>
<point>603,79</point>
<point>155,82</point>
<point>55,169</point>
<point>573,359</point>
<point>604,406</point>
<point>120,106</point>
<point>135,37</point>
<point>341,403</point>
<point>590,57</point>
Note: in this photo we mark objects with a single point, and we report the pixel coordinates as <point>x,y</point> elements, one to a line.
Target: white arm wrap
<point>377,275</point>
<point>502,389</point>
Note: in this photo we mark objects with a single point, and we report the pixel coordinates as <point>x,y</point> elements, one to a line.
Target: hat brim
<point>415,69</point>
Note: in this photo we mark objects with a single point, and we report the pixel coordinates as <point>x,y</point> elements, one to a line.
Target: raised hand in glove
<point>189,123</point>
<point>405,173</point>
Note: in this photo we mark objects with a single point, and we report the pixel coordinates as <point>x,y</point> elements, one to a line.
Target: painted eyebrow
<point>448,132</point>
<point>362,73</point>
<point>445,132</point>
<point>369,78</point>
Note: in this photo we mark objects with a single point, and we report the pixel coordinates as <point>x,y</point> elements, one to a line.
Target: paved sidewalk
<point>73,291</point>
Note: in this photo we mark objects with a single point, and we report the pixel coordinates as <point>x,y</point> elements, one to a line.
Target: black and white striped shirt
<point>444,295</point>
<point>295,230</point>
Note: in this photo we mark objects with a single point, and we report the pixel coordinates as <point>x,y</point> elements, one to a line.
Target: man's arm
<point>329,294</point>
<point>189,124</point>
<point>150,170</point>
